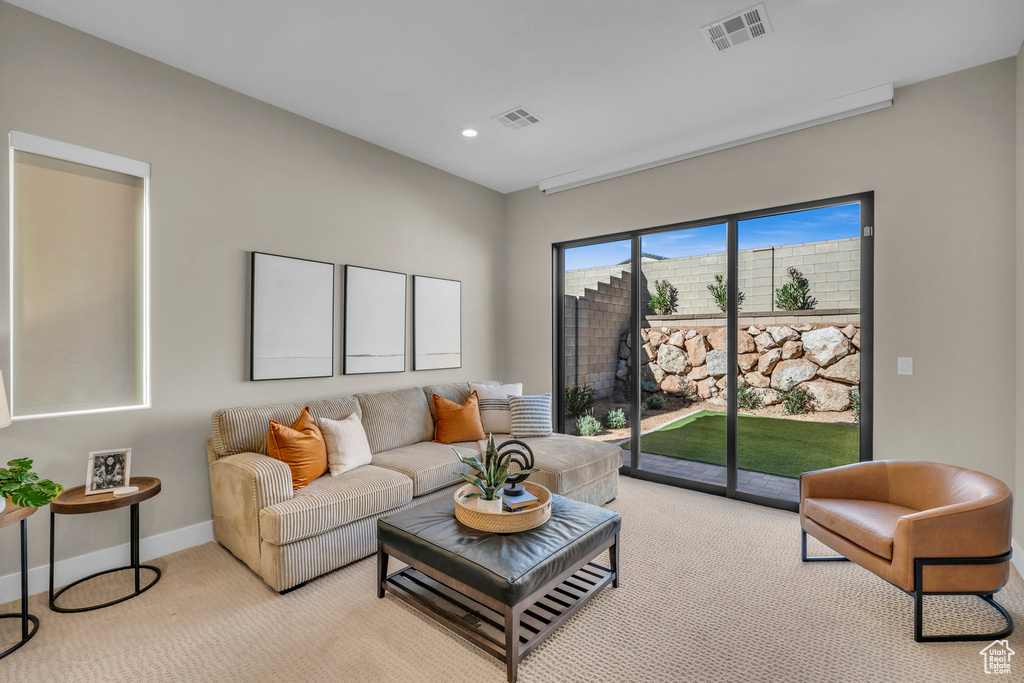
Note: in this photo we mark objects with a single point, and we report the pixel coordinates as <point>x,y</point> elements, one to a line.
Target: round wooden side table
<point>75,502</point>
<point>11,514</point>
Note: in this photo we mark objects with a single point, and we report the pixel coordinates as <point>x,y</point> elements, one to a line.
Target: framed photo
<point>436,323</point>
<point>292,332</point>
<point>374,321</point>
<point>108,470</point>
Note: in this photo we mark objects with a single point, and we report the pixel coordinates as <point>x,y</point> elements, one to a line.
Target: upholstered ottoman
<point>505,593</point>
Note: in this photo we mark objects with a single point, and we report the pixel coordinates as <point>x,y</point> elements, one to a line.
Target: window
<point>79,279</point>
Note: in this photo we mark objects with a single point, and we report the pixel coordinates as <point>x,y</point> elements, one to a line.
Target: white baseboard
<point>74,568</point>
<point>1018,556</point>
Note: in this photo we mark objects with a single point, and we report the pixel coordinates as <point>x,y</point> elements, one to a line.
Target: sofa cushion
<point>393,419</point>
<point>867,523</point>
<point>330,502</point>
<point>244,429</point>
<point>564,462</point>
<point>495,412</point>
<point>300,446</point>
<point>347,447</point>
<point>430,465</point>
<point>456,392</point>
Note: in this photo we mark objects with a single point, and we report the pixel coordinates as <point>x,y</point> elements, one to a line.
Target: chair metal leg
<point>918,593</point>
<point>803,552</point>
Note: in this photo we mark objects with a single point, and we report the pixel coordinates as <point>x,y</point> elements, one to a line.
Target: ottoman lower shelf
<point>483,626</point>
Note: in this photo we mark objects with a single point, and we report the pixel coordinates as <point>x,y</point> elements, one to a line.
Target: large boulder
<point>674,384</point>
<point>747,361</point>
<point>753,331</point>
<point>657,372</point>
<point>623,350</point>
<point>846,370</point>
<point>690,334</point>
<point>803,328</point>
<point>850,331</point>
<point>704,388</point>
<point>647,381</point>
<point>790,372</point>
<point>783,334</point>
<point>719,339</point>
<point>697,349</point>
<point>764,342</point>
<point>722,383</point>
<point>792,349</point>
<point>825,346</point>
<point>672,359</point>
<point>769,397</point>
<point>677,338</point>
<point>757,380</point>
<point>656,338</point>
<point>856,339</point>
<point>828,396</point>
<point>768,361</point>
<point>717,363</point>
<point>744,342</point>
<point>647,354</point>
<point>622,372</point>
<point>698,373</point>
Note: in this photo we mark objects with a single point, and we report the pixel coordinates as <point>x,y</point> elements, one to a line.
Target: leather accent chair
<point>926,528</point>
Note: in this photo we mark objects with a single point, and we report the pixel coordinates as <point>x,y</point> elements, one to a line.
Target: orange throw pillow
<point>300,446</point>
<point>455,423</point>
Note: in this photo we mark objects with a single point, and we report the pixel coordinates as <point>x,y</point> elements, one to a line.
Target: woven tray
<point>503,522</point>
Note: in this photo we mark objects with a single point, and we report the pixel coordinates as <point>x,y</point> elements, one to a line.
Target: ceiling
<point>608,78</point>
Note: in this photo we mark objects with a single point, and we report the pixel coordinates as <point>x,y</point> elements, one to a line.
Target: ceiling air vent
<point>743,26</point>
<point>518,118</point>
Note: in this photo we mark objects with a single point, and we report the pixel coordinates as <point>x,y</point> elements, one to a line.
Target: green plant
<point>720,292</point>
<point>795,400</point>
<point>747,398</point>
<point>579,401</point>
<point>615,419</point>
<point>795,295</point>
<point>588,425</point>
<point>664,300</point>
<point>656,402</point>
<point>23,486</point>
<point>491,473</point>
<point>855,402</point>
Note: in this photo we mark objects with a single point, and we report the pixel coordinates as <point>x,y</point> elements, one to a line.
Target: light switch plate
<point>905,366</point>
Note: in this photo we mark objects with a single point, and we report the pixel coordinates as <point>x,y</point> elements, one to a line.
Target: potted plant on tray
<point>490,476</point>
<point>22,486</point>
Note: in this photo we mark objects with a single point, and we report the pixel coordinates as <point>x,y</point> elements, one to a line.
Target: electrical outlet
<point>905,366</point>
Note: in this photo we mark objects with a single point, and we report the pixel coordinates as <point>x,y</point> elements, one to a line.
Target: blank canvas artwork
<point>292,318</point>
<point>374,321</point>
<point>437,323</point>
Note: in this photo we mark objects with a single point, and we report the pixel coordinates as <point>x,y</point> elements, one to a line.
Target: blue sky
<point>815,225</point>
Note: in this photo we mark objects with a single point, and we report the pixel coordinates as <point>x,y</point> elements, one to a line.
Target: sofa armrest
<point>241,485</point>
<point>860,481</point>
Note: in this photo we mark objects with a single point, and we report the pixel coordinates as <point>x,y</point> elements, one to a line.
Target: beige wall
<point>941,163</point>
<point>1018,521</point>
<point>230,175</point>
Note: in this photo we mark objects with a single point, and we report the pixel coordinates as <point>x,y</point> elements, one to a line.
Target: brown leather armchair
<point>925,527</point>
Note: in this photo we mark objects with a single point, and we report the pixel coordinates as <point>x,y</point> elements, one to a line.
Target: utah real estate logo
<point>997,657</point>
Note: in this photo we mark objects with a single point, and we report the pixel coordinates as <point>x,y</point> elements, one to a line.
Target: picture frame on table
<point>108,470</point>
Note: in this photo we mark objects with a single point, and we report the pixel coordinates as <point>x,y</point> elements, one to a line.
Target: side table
<point>11,514</point>
<point>75,502</point>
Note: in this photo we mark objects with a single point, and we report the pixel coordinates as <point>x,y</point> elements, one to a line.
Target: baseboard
<point>1018,556</point>
<point>73,568</point>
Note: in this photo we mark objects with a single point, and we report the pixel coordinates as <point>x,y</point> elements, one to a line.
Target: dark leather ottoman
<point>506,593</point>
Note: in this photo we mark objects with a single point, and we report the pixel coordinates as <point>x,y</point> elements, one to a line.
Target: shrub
<point>615,419</point>
<point>855,402</point>
<point>795,401</point>
<point>747,398</point>
<point>795,295</point>
<point>664,300</point>
<point>579,401</point>
<point>588,425</point>
<point>656,402</point>
<point>720,292</point>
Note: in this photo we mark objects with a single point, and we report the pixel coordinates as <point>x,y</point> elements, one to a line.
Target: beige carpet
<point>712,590</point>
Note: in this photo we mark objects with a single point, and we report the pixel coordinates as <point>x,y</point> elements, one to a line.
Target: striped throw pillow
<point>531,415</point>
<point>494,408</point>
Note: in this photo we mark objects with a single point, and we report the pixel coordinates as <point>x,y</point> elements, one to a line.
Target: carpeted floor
<point>712,590</point>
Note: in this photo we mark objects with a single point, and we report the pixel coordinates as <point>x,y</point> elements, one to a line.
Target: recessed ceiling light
<point>469,132</point>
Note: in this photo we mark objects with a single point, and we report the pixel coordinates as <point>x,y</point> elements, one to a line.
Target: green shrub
<point>747,398</point>
<point>656,402</point>
<point>795,401</point>
<point>588,426</point>
<point>720,292</point>
<point>795,295</point>
<point>855,402</point>
<point>664,300</point>
<point>615,419</point>
<point>579,401</point>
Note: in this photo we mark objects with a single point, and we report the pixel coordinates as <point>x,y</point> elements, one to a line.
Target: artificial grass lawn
<point>765,444</point>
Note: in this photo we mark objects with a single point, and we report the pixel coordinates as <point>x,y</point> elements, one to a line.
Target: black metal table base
<point>136,565</point>
<point>26,618</point>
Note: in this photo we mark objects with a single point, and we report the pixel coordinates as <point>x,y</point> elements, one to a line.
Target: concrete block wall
<point>598,318</point>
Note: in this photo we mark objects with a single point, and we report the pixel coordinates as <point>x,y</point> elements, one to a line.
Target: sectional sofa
<point>289,537</point>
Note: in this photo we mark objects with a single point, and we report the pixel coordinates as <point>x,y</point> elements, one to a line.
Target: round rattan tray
<point>503,522</point>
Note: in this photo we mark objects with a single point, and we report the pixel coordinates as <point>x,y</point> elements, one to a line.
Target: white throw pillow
<point>347,447</point>
<point>494,409</point>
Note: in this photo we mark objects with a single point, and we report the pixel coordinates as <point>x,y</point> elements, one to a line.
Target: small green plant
<point>656,402</point>
<point>795,401</point>
<point>664,300</point>
<point>579,401</point>
<point>855,402</point>
<point>720,292</point>
<point>747,398</point>
<point>588,425</point>
<point>615,419</point>
<point>795,295</point>
<point>24,487</point>
<point>490,475</point>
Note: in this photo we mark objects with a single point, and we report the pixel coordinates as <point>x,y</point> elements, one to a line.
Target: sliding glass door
<point>752,338</point>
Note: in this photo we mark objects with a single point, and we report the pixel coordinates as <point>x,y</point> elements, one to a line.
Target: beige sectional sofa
<point>291,537</point>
